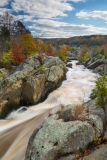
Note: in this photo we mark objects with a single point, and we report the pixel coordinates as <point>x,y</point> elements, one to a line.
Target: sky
<point>59,18</point>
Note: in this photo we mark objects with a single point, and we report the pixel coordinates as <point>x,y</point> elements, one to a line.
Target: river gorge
<point>17,128</point>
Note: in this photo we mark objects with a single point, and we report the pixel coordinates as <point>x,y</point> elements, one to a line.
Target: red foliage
<point>17,56</point>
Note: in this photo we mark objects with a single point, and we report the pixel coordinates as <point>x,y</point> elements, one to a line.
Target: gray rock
<point>95,64</point>
<point>69,65</point>
<point>69,157</point>
<point>3,72</point>
<point>73,57</point>
<point>31,82</point>
<point>101,69</point>
<point>55,73</point>
<point>28,65</point>
<point>96,116</point>
<point>57,138</point>
<point>87,62</point>
<point>97,122</point>
<point>49,61</point>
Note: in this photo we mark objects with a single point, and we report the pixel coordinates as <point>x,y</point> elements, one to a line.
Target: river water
<point>17,128</point>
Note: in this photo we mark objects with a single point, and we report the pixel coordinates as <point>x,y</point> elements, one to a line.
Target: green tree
<point>4,39</point>
<point>5,33</point>
<point>101,90</point>
<point>83,55</point>
<point>102,52</point>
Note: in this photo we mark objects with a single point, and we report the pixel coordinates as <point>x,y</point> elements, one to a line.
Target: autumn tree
<point>41,46</point>
<point>50,50</point>
<point>17,56</point>
<point>83,55</point>
<point>27,45</point>
<point>5,59</point>
<point>62,53</point>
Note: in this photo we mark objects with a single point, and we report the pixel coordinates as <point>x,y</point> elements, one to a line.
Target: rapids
<point>17,128</point>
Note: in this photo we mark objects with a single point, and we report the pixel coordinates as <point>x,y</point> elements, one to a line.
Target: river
<point>17,128</point>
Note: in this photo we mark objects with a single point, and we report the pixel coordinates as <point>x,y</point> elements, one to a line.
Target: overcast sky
<point>59,18</point>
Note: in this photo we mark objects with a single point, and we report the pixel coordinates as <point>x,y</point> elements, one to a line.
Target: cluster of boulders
<point>70,136</point>
<point>98,65</point>
<point>73,133</point>
<point>30,82</point>
<point>66,136</point>
<point>71,56</point>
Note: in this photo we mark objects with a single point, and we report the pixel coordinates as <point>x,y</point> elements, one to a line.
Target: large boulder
<point>101,69</point>
<point>69,134</point>
<point>99,65</point>
<point>55,138</point>
<point>96,63</point>
<point>95,116</point>
<point>30,82</point>
<point>69,65</point>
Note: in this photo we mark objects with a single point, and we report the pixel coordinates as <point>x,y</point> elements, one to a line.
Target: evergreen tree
<point>4,39</point>
<point>5,33</point>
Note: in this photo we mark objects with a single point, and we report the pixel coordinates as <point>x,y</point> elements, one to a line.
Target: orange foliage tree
<point>17,56</point>
<point>27,45</point>
<point>41,46</point>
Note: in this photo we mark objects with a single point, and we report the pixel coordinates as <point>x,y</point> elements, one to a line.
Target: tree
<point>4,39</point>
<point>7,20</point>
<point>17,56</point>
<point>62,53</point>
<point>83,55</point>
<point>101,92</point>
<point>102,51</point>
<point>5,33</point>
<point>50,50</point>
<point>27,45</point>
<point>41,46</point>
<point>5,59</point>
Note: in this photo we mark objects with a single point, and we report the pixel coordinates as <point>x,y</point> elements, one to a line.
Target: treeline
<point>89,52</point>
<point>92,40</point>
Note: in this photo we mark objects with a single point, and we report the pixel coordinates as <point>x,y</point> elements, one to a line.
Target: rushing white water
<point>18,127</point>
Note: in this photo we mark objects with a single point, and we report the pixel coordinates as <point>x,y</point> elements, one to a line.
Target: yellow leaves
<point>62,53</point>
<point>27,44</point>
<point>6,57</point>
<point>41,46</point>
<point>83,55</point>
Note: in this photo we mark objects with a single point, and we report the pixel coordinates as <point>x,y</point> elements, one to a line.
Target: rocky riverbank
<point>69,135</point>
<point>30,82</point>
<point>74,133</point>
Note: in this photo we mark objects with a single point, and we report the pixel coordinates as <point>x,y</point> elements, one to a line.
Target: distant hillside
<point>92,40</point>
